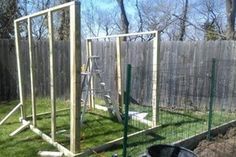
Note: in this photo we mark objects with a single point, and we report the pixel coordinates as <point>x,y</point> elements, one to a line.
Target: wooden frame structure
<point>75,89</point>
<point>119,61</point>
<point>75,80</point>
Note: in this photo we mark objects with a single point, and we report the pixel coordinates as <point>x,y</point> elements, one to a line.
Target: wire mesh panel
<point>222,142</point>
<point>140,111</point>
<point>184,99</point>
<point>186,93</point>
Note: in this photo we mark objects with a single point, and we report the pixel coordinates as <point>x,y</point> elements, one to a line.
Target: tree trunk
<point>63,30</point>
<point>140,29</point>
<point>124,20</point>
<point>183,22</point>
<point>7,15</point>
<point>231,12</point>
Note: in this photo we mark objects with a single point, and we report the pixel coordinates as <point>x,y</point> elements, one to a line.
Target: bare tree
<point>213,20</point>
<point>140,29</point>
<point>98,21</point>
<point>91,20</point>
<point>39,24</point>
<point>231,12</point>
<point>183,21</point>
<point>8,12</point>
<point>123,18</point>
<point>63,30</point>
<point>157,15</point>
<point>107,21</point>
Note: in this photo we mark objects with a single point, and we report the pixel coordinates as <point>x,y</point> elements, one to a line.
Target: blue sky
<point>195,15</point>
<point>109,4</point>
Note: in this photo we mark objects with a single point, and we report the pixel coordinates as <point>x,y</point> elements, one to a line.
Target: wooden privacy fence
<point>176,58</point>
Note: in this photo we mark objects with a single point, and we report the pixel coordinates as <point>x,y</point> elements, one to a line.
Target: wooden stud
<point>50,154</point>
<point>119,73</point>
<point>158,92</point>
<point>75,79</point>
<point>20,80</point>
<point>110,144</point>
<point>31,73</point>
<point>123,35</point>
<point>92,84</point>
<point>46,113</point>
<point>48,139</point>
<point>43,12</point>
<point>21,128</point>
<point>10,113</point>
<point>155,79</point>
<point>52,74</point>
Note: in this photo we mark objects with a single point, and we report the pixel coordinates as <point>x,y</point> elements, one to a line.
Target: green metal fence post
<point>212,95</point>
<point>127,101</point>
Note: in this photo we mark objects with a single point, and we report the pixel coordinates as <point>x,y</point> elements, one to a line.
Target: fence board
<point>178,59</point>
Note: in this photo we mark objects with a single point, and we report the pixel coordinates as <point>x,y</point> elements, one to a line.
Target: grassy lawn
<point>98,128</point>
<point>175,125</point>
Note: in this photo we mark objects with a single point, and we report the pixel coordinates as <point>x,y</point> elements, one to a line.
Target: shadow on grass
<point>10,142</point>
<point>102,116</point>
<point>11,122</point>
<point>182,114</point>
<point>48,116</point>
<point>181,123</point>
<point>154,138</point>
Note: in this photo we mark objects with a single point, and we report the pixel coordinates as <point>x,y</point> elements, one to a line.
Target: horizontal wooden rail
<point>46,113</point>
<point>123,35</point>
<point>48,139</point>
<point>116,141</point>
<point>44,12</point>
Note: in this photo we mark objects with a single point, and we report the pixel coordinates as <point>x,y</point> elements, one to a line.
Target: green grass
<point>25,144</point>
<point>175,125</point>
<point>99,128</point>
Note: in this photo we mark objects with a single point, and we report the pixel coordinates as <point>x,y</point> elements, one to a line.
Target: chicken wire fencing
<point>192,101</point>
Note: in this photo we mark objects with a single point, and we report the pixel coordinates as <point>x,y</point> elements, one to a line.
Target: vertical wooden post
<point>31,72</point>
<point>52,74</point>
<point>155,79</point>
<point>75,80</point>
<point>20,81</point>
<point>119,73</point>
<point>89,50</point>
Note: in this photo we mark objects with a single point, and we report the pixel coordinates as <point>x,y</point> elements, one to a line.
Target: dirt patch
<point>220,146</point>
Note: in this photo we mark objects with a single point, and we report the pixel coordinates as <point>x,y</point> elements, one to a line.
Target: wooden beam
<point>155,79</point>
<point>46,113</point>
<point>31,72</point>
<point>48,139</point>
<point>158,92</point>
<point>113,142</point>
<point>21,128</point>
<point>20,80</point>
<point>119,74</point>
<point>10,113</point>
<point>123,35</point>
<point>44,12</point>
<point>50,154</point>
<point>52,74</point>
<point>75,79</point>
